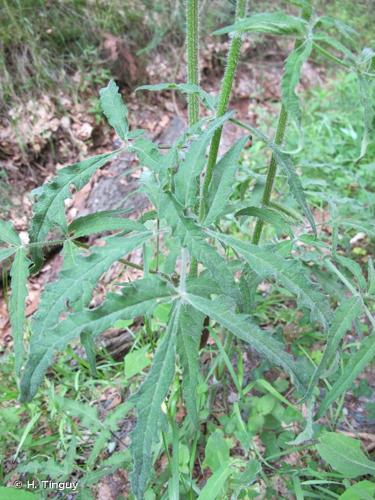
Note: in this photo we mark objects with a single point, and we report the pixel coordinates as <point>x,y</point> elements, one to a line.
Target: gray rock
<point>177,126</point>
<point>118,188</point>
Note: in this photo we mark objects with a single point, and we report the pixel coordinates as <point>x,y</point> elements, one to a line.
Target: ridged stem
<point>225,91</point>
<point>192,49</point>
<point>279,138</point>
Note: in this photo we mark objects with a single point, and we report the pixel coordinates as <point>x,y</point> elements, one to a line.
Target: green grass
<point>43,47</point>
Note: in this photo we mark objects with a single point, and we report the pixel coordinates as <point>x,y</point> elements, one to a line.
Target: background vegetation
<point>78,426</point>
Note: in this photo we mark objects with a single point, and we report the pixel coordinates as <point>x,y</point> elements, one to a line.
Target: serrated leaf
<point>49,210</point>
<point>291,77</point>
<point>192,237</point>
<point>8,234</point>
<point>344,29</point>
<point>344,455</point>
<point>285,162</point>
<point>186,184</point>
<point>356,364</point>
<point>221,185</point>
<point>354,268</point>
<point>148,402</point>
<point>269,23</point>
<point>289,272</point>
<point>19,273</point>
<point>87,414</point>
<point>188,340</point>
<point>186,88</point>
<point>221,310</point>
<point>114,109</point>
<point>77,280</point>
<point>345,314</point>
<point>248,285</point>
<point>333,43</point>
<point>267,215</point>
<point>99,222</point>
<point>149,155</point>
<point>139,298</point>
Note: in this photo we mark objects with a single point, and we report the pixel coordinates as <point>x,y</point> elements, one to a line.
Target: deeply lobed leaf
<point>288,272</point>
<point>49,210</point>
<point>148,402</point>
<point>137,299</point>
<point>221,310</point>
<point>77,280</point>
<point>291,77</point>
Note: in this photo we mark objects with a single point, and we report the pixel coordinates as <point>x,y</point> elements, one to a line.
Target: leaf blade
<point>221,310</point>
<point>269,23</point>
<point>188,340</point>
<point>139,298</point>
<point>114,109</point>
<point>346,313</point>
<point>291,77</point>
<point>356,365</point>
<point>221,185</point>
<point>344,454</point>
<point>193,163</point>
<point>19,273</point>
<point>267,263</point>
<point>285,162</point>
<point>148,402</point>
<point>49,210</point>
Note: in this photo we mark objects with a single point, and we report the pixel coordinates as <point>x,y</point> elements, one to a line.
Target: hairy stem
<point>279,138</point>
<point>192,49</point>
<point>192,56</point>
<point>225,91</point>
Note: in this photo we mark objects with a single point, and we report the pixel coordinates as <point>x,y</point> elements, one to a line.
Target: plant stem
<point>271,174</point>
<point>225,91</point>
<point>192,49</point>
<point>279,138</point>
<point>192,56</point>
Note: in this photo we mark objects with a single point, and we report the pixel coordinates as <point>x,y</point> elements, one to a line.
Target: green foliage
<point>19,274</point>
<point>201,277</point>
<point>114,109</point>
<point>270,23</point>
<point>148,402</point>
<point>49,207</point>
<point>291,76</point>
<point>344,455</point>
<point>221,185</point>
<point>345,314</point>
<point>186,178</point>
<point>221,310</point>
<point>188,340</point>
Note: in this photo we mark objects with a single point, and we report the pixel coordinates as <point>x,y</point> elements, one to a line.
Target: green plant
<point>198,270</point>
